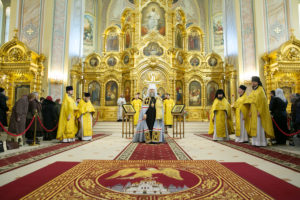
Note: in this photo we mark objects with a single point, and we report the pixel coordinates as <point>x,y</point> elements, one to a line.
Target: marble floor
<point>197,147</point>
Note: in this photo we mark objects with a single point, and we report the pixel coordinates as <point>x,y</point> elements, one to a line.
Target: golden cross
<point>16,32</point>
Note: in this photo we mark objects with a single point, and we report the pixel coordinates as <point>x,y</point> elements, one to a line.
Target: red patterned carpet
<point>285,159</point>
<point>165,151</point>
<point>82,181</point>
<point>10,162</point>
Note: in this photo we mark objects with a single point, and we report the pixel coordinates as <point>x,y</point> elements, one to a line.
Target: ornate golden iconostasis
<point>21,70</point>
<point>282,68</point>
<point>153,45</point>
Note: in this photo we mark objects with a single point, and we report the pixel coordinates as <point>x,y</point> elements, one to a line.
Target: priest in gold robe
<point>260,119</point>
<point>220,122</point>
<point>137,105</point>
<point>150,127</point>
<point>241,116</point>
<point>67,127</point>
<point>85,118</point>
<point>168,106</point>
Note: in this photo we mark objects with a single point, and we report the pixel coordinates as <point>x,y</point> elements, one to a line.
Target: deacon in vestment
<point>260,118</point>
<point>220,122</point>
<point>67,127</point>
<point>150,127</point>
<point>121,101</point>
<point>168,106</point>
<point>137,105</point>
<point>241,116</point>
<point>85,118</point>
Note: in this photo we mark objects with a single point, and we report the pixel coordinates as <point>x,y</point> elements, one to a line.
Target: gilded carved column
<point>233,86</point>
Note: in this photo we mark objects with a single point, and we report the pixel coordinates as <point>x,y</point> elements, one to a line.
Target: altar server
<point>220,122</point>
<point>85,118</point>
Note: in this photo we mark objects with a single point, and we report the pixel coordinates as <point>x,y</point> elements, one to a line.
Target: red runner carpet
<point>164,151</point>
<point>26,184</point>
<point>284,159</point>
<point>22,159</point>
<point>276,188</point>
<point>271,185</point>
<point>153,152</point>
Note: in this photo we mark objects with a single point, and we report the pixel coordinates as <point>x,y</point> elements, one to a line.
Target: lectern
<point>178,121</point>
<point>128,121</point>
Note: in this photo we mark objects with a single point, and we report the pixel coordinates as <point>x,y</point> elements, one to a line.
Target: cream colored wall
<point>260,36</point>
<point>294,16</point>
<point>14,17</point>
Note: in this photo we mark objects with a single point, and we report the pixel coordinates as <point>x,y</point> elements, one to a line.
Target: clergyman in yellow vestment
<point>137,105</point>
<point>241,116</point>
<point>260,118</point>
<point>85,118</point>
<point>168,106</point>
<point>220,118</point>
<point>67,128</point>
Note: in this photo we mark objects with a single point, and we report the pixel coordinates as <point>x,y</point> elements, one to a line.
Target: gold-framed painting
<point>128,108</point>
<point>178,108</point>
<point>21,90</point>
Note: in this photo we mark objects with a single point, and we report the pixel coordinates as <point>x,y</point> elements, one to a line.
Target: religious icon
<point>153,19</point>
<point>179,92</point>
<point>287,91</point>
<point>94,90</point>
<point>211,90</point>
<point>88,30</point>
<point>128,108</point>
<point>112,61</point>
<point>161,92</point>
<point>112,42</point>
<point>127,39</point>
<point>178,109</point>
<point>180,58</point>
<point>126,59</point>
<point>194,62</point>
<point>111,93</point>
<point>195,94</point>
<point>194,41</point>
<point>178,39</point>
<point>127,89</point>
<point>218,39</point>
<point>153,49</point>
<point>212,62</point>
<point>144,93</point>
<point>94,62</point>
<point>21,91</point>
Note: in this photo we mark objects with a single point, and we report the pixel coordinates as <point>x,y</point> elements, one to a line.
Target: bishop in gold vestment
<point>67,128</point>
<point>150,128</point>
<point>241,116</point>
<point>137,105</point>
<point>85,118</point>
<point>260,118</point>
<point>168,106</point>
<point>220,121</point>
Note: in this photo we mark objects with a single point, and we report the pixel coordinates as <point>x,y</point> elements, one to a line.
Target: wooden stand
<point>178,123</point>
<point>128,125</point>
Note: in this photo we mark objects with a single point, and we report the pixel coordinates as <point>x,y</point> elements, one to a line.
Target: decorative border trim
<point>271,159</point>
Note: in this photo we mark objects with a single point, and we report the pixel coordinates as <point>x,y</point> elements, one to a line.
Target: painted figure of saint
<point>153,19</point>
